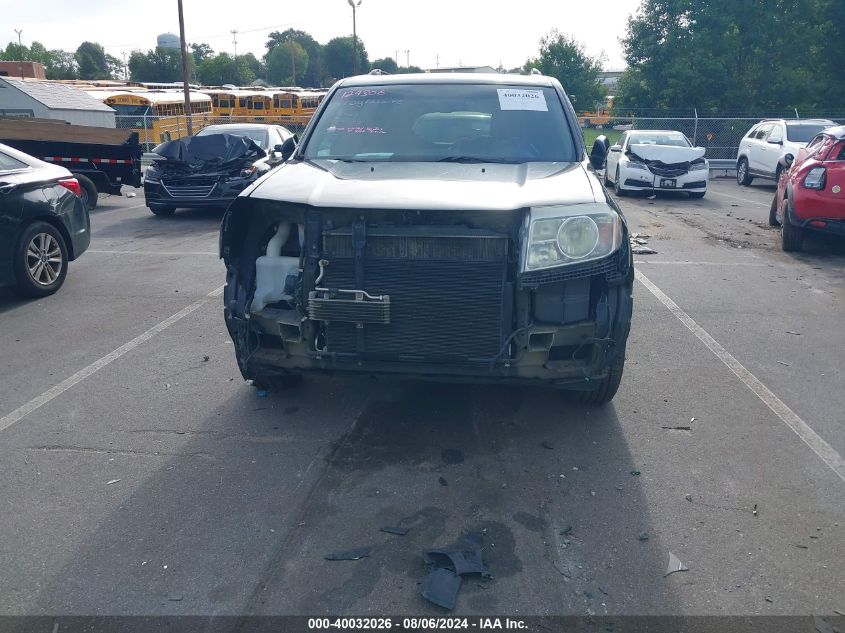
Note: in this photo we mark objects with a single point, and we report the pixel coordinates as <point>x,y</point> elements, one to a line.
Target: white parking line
<point>821,448</point>
<point>746,200</point>
<point>21,412</point>
<point>639,262</point>
<point>163,253</point>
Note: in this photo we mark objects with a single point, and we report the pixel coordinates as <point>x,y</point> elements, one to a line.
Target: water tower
<point>168,40</point>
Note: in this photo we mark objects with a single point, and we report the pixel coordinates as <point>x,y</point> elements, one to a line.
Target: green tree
<point>314,75</point>
<point>339,55</point>
<point>564,58</point>
<point>201,52</point>
<point>402,70</point>
<point>160,65</point>
<point>92,62</point>
<point>287,63</point>
<point>727,56</point>
<point>387,64</point>
<point>225,69</point>
<point>62,65</point>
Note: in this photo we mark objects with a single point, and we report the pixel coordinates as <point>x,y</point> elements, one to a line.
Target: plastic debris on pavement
<point>639,244</point>
<point>113,481</point>
<point>131,194</point>
<point>398,531</point>
<point>674,565</point>
<point>350,554</point>
<point>447,567</point>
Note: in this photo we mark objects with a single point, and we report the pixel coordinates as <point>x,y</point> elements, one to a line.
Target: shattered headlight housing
<point>561,235</point>
<point>698,166</point>
<point>635,164</point>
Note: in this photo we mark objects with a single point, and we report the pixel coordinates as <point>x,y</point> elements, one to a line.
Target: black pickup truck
<point>102,159</point>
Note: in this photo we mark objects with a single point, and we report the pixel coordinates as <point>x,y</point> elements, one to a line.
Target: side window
<point>274,139</point>
<point>7,163</point>
<point>776,135</point>
<point>763,131</point>
<point>753,132</point>
<point>624,140</point>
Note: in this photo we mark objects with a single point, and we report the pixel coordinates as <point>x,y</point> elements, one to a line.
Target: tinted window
<point>443,122</point>
<point>803,132</point>
<point>7,163</point>
<point>763,131</point>
<point>752,133</point>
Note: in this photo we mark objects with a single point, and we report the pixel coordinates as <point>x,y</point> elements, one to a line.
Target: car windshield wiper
<point>474,159</point>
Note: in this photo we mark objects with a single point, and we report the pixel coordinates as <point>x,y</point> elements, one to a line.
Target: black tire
<point>743,177</point>
<point>40,243</point>
<point>277,382</point>
<point>607,182</point>
<point>89,191</point>
<point>607,387</point>
<point>791,237</point>
<point>773,212</point>
<point>617,186</point>
<point>163,212</point>
<point>697,194</point>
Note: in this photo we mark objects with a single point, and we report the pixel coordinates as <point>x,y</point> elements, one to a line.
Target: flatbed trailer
<point>102,159</point>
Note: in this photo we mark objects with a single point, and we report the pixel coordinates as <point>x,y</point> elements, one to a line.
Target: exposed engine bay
<point>438,293</point>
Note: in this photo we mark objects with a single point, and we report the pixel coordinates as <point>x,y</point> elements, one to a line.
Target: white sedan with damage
<point>656,160</point>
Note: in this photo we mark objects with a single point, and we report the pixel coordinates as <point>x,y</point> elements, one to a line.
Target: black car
<point>212,167</point>
<point>447,227</point>
<point>43,223</point>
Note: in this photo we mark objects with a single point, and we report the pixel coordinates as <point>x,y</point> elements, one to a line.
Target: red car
<point>811,192</point>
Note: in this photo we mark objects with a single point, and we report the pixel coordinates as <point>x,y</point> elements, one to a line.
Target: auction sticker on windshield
<point>511,99</point>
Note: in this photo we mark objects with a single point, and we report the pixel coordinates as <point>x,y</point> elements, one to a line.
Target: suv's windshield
<point>443,122</point>
<point>803,132</point>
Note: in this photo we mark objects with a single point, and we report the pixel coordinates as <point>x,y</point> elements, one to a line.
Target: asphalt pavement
<point>139,475</point>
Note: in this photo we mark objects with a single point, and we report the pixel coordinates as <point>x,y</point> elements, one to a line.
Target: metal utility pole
<point>20,53</point>
<point>125,68</point>
<point>234,33</point>
<point>185,85</point>
<point>354,6</point>
<point>407,58</point>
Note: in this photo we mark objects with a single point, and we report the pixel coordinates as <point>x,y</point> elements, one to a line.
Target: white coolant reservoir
<point>272,270</point>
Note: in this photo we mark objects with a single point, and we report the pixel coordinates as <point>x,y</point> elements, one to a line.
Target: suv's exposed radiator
<point>446,289</point>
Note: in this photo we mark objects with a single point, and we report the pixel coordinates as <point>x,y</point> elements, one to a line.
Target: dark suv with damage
<point>447,227</point>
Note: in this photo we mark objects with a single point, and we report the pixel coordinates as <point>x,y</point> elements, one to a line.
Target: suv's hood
<point>386,185</point>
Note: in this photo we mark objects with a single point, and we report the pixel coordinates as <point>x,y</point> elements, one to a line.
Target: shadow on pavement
<point>243,517</point>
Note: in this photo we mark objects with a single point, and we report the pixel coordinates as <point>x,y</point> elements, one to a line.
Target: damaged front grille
<point>445,287</point>
<point>189,187</point>
<point>673,170</point>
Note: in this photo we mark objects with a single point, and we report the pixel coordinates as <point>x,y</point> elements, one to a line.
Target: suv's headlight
<point>571,234</point>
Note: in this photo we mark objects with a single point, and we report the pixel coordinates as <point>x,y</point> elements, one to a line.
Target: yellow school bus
<point>264,106</point>
<point>157,116</point>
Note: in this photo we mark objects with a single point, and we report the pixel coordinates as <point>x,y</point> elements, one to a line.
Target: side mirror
<point>786,161</point>
<point>288,147</point>
<point>615,148</point>
<point>598,155</point>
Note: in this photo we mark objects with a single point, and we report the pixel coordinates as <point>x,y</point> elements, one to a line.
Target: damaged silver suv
<point>447,227</point>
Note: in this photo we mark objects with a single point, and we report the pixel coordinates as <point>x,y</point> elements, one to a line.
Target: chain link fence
<point>153,130</point>
<point>719,135</point>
